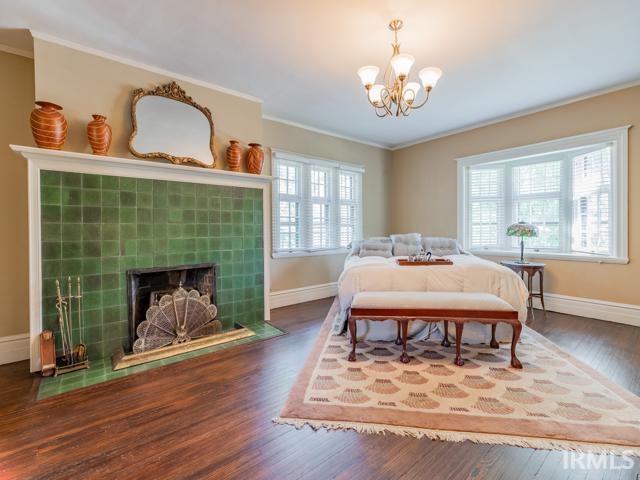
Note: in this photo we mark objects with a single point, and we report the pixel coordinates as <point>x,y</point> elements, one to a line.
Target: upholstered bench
<point>456,307</point>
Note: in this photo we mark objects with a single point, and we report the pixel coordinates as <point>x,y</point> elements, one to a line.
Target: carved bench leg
<point>399,336</point>
<point>445,340</point>
<point>354,339</point>
<point>517,328</point>
<point>404,358</point>
<point>494,343</point>
<point>459,327</point>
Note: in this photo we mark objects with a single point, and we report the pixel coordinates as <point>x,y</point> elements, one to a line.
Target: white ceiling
<point>500,57</point>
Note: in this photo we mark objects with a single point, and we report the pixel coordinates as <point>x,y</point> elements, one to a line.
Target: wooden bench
<point>456,307</point>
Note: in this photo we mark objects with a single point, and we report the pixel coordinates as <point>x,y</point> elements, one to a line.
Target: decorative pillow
<point>441,246</point>
<point>376,248</point>
<point>355,245</point>
<point>406,244</point>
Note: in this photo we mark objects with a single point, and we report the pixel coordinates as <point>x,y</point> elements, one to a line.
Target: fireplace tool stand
<point>74,355</point>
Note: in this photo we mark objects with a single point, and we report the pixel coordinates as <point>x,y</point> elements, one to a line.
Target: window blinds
<point>566,194</point>
<point>317,204</point>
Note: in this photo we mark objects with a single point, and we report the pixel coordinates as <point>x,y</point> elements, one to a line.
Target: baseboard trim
<point>14,348</point>
<point>282,298</point>
<point>590,308</point>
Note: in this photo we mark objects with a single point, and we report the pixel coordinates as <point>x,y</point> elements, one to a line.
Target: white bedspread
<point>467,274</point>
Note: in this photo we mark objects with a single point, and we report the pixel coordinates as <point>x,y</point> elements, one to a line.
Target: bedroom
<point>195,159</point>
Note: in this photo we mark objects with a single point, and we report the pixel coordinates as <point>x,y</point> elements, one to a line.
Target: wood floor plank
<point>210,417</point>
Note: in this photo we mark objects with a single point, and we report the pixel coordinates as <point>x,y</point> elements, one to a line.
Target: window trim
<point>619,187</point>
<point>308,160</point>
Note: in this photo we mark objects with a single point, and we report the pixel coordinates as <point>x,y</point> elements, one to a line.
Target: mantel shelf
<point>118,164</point>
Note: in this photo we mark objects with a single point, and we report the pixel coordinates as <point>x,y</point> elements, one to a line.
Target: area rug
<point>554,402</point>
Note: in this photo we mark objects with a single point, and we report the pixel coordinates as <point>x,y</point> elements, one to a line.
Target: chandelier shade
<point>396,94</point>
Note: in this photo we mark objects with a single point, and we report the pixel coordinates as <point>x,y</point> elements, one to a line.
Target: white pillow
<point>441,246</point>
<point>406,244</point>
<point>376,248</point>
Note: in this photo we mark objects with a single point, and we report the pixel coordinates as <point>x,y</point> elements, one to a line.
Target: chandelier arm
<point>426,99</point>
<point>387,100</point>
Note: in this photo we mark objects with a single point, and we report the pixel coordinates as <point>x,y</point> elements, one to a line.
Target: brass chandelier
<point>396,95</point>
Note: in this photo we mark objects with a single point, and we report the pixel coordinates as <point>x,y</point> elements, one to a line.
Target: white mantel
<point>58,160</point>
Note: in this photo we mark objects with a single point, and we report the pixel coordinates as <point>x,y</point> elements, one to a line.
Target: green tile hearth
<point>97,227</point>
<point>101,371</point>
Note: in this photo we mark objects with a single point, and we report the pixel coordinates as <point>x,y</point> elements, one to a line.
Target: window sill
<point>572,257</point>
<point>313,253</point>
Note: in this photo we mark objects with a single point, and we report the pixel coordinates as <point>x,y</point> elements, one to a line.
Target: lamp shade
<point>402,63</point>
<point>375,94</point>
<point>368,74</point>
<point>411,91</point>
<point>522,229</point>
<point>430,76</point>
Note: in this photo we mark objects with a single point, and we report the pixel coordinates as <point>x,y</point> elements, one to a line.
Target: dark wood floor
<point>210,417</point>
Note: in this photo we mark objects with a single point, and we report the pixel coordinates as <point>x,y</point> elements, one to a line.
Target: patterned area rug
<point>554,402</point>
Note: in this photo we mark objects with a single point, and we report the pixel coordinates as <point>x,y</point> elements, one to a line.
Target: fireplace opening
<point>146,286</point>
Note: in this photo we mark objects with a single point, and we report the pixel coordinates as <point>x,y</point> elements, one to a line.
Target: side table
<point>530,268</point>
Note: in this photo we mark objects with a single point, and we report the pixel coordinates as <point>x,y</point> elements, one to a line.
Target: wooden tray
<point>407,263</point>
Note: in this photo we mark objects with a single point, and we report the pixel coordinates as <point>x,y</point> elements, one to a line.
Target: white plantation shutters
<point>317,204</point>
<point>574,193</point>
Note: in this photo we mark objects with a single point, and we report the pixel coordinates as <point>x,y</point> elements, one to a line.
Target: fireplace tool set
<point>74,355</point>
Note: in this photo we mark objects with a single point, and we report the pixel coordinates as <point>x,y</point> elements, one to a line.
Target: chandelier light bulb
<point>375,94</point>
<point>401,64</point>
<point>368,74</point>
<point>430,76</point>
<point>411,91</point>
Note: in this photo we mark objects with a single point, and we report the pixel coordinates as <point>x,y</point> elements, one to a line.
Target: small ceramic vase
<point>255,159</point>
<point>234,155</point>
<point>99,134</point>
<point>48,125</point>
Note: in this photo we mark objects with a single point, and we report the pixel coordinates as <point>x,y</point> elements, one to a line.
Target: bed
<point>467,274</point>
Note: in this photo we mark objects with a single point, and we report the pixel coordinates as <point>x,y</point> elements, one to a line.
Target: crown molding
<point>522,113</point>
<point>325,132</point>
<point>143,66</point>
<point>15,51</point>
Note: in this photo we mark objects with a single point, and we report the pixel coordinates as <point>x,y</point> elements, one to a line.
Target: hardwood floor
<point>210,417</point>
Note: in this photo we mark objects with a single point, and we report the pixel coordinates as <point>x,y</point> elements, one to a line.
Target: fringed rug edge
<point>455,436</point>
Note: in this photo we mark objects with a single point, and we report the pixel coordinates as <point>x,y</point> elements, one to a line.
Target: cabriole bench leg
<point>404,358</point>
<point>517,328</point>
<point>399,336</point>
<point>494,343</point>
<point>459,327</point>
<point>354,339</point>
<point>445,341</point>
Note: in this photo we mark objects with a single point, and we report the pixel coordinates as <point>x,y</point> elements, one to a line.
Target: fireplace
<point>145,287</point>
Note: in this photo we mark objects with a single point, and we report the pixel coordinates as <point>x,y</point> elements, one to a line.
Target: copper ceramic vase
<point>255,159</point>
<point>234,155</point>
<point>48,125</point>
<point>99,133</point>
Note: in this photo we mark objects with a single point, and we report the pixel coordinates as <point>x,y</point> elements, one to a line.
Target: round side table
<point>530,268</point>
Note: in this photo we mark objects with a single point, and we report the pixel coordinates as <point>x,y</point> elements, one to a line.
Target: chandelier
<point>396,95</point>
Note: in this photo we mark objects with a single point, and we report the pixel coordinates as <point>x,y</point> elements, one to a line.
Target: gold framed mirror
<point>167,123</point>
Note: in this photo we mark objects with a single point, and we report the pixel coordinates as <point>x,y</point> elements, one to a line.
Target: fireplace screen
<point>170,305</point>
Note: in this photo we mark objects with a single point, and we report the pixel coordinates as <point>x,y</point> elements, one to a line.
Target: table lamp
<point>522,230</point>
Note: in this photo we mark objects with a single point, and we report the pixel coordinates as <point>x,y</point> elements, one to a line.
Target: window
<point>574,190</point>
<point>317,205</point>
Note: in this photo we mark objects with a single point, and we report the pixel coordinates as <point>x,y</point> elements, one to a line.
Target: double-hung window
<point>317,205</point>
<point>573,189</point>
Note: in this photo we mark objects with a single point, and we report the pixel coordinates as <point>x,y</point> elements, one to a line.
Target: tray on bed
<point>421,263</point>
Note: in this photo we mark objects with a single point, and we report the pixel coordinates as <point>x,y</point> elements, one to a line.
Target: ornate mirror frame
<point>172,91</point>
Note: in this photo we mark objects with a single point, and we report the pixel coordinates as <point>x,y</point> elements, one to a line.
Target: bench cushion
<point>435,300</point>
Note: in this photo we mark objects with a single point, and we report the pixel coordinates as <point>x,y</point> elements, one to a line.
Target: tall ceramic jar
<point>48,125</point>
<point>255,159</point>
<point>234,155</point>
<point>99,133</point>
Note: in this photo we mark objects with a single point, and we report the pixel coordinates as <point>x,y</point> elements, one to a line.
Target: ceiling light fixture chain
<point>396,95</point>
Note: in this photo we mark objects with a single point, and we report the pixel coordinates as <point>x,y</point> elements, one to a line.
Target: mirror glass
<point>171,129</point>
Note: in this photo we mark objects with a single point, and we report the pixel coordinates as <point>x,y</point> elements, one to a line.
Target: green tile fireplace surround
<point>99,226</point>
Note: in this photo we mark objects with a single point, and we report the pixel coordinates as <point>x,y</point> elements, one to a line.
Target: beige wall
<point>424,199</point>
<point>84,84</point>
<point>287,273</point>
<point>16,98</point>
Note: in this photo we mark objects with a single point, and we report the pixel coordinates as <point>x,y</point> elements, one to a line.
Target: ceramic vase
<point>48,125</point>
<point>99,134</point>
<point>255,159</point>
<point>234,155</point>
